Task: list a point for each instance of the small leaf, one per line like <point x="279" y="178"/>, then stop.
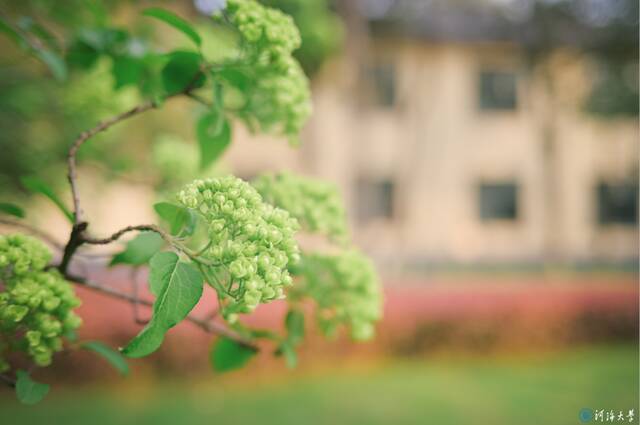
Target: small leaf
<point x="181" y="220"/>
<point x="182" y="70"/>
<point x="175" y="21"/>
<point x="54" y="62"/>
<point x="112" y="356"/>
<point x="289" y="353"/>
<point x="180" y="290"/>
<point x="35" y="185"/>
<point x="139" y="250"/>
<point x="227" y="354"/>
<point x="27" y="24"/>
<point x="214" y="136"/>
<point x="295" y="327"/>
<point x="11" y="209"/>
<point x="28" y="390"/>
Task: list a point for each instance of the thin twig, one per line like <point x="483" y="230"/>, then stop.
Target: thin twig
<point x="207" y="326"/>
<point x="117" y="235"/>
<point x="86" y="135"/>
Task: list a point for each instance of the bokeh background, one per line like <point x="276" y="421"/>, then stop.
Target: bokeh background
<point x="487" y="151"/>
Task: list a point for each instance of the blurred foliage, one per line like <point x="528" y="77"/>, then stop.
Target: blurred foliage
<point x="96" y="65"/>
<point x="40" y="115"/>
<point x="605" y="30"/>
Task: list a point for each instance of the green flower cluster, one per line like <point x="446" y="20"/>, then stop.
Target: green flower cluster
<point x="316" y="204"/>
<point x="280" y="97"/>
<point x="35" y="305"/>
<point x="251" y="242"/>
<point x="346" y="289"/>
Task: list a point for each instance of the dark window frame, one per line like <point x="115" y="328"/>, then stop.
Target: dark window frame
<point x="489" y="99"/>
<point x="381" y="84"/>
<point x="625" y="195"/>
<point x="372" y="206"/>
<point x="499" y="201"/>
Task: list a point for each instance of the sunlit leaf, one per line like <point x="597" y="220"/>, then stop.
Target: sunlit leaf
<point x="181" y="220"/>
<point x="227" y="354"/>
<point x="35" y="185"/>
<point x="29" y="391"/>
<point x="126" y="71"/>
<point x="175" y="21"/>
<point x="139" y="250"/>
<point x="109" y="354"/>
<point x="11" y="209"/>
<point x="214" y="136"/>
<point x="180" y="289"/>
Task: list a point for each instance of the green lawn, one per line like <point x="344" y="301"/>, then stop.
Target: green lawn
<point x="547" y="390"/>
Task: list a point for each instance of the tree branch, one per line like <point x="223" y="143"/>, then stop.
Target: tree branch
<point x="117" y="235"/>
<point x="206" y="325"/>
<point x="86" y="135"/>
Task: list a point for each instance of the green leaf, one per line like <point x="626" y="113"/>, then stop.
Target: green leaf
<point x="180" y="289"/>
<point x="112" y="356"/>
<point x="139" y="250"/>
<point x="294" y="323"/>
<point x="28" y="390"/>
<point x="236" y="78"/>
<point x="182" y="70"/>
<point x="227" y="354"/>
<point x="27" y="24"/>
<point x="51" y="59"/>
<point x="82" y="55"/>
<point x="35" y="185"/>
<point x="175" y="21"/>
<point x="126" y="71"/>
<point x="54" y="62"/>
<point x="181" y="220"/>
<point x="161" y="264"/>
<point x="11" y="209"/>
<point x="290" y="356"/>
<point x="214" y="136"/>
<point x="12" y="33"/>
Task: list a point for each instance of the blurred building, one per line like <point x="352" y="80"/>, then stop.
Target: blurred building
<point x="450" y="147"/>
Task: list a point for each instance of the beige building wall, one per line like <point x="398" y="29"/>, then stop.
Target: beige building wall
<point x="438" y="146"/>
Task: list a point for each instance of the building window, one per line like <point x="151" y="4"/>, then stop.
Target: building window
<point x="497" y="91"/>
<point x="498" y="201"/>
<point x="374" y="199"/>
<point x="617" y="203"/>
<point x="381" y="84"/>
